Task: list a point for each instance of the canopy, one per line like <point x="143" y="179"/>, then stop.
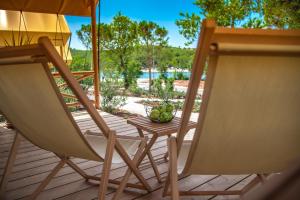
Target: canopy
<point x="16" y="30"/>
<point x="64" y="7"/>
<point x="31" y="26"/>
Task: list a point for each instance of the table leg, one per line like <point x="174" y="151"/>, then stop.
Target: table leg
<point x="148" y="152"/>
<point x="167" y="153"/>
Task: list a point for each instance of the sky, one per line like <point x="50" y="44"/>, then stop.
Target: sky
<point x="162" y="12"/>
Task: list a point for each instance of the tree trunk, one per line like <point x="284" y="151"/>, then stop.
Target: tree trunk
<point x="126" y="82"/>
<point x="232" y="22"/>
<point x="125" y="74"/>
<point x="150" y="78"/>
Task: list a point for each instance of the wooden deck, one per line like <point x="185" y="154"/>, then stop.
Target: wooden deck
<point x="33" y="164"/>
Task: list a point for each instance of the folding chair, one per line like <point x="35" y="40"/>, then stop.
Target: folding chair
<point x="30" y="99"/>
<point x="249" y="118"/>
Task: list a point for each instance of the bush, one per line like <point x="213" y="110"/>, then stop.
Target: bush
<point x="110" y="90"/>
<point x="179" y="94"/>
<point x="135" y="90"/>
<point x="163" y="88"/>
<point x="181" y="76"/>
<point x="196" y="107"/>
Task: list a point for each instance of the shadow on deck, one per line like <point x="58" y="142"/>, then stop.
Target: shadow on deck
<point x="33" y="165"/>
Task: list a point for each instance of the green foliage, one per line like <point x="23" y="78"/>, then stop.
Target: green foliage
<point x="151" y="36"/>
<point x="81" y="60"/>
<point x="189" y="26"/>
<point x="84" y="35"/>
<point x="282" y="14"/>
<point x="196" y="107"/>
<point x="134" y="70"/>
<point x="119" y="39"/>
<point x="163" y="88"/>
<point x="110" y="90"/>
<point x="135" y="90"/>
<point x="181" y="76"/>
<point x="179" y="58"/>
<point x="241" y="13"/>
<point x="128" y="46"/>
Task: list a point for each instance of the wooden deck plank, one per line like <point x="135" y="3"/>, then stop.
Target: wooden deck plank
<point x="34" y="164"/>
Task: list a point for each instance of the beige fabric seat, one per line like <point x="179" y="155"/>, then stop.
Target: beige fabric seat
<point x="30" y="99"/>
<point x="98" y="143"/>
<point x="183" y="155"/>
<point x="249" y="117"/>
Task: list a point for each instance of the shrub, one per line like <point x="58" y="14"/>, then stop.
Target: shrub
<point x="111" y="101"/>
<point x="163" y="88"/>
<point x="179" y="94"/>
<point x="196" y="107"/>
<point x="135" y="90"/>
<point x="181" y="76"/>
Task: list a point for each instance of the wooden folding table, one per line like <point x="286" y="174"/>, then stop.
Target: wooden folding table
<point x="143" y="124"/>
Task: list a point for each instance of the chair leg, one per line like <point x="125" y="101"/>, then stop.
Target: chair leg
<point x="48" y="179"/>
<point x="10" y="163"/>
<point x="107" y="165"/>
<point x="134" y="167"/>
<point x="77" y="169"/>
<point x="129" y="172"/>
<point x="166" y="186"/>
<point x="173" y="168"/>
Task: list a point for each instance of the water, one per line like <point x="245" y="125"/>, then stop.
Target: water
<point x="155" y="75"/>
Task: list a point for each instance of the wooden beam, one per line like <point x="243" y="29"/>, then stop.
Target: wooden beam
<point x="95" y="55"/>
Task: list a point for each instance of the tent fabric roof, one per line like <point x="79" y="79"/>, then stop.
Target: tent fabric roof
<point x="64" y="7"/>
<point x="32" y="26"/>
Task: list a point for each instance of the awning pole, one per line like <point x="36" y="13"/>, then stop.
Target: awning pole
<point x="95" y="55"/>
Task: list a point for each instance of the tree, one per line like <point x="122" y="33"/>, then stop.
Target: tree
<point x="282" y="13"/>
<point x="84" y="35"/>
<point x="241" y="13"/>
<point x="119" y="39"/>
<point x="151" y="36"/>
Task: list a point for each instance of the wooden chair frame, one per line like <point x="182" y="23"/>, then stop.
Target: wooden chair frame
<point x="210" y="36"/>
<point x="45" y="52"/>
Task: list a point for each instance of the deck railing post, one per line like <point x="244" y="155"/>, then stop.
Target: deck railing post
<point x="95" y="55"/>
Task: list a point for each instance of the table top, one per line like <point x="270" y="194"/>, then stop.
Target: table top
<point x="146" y="124"/>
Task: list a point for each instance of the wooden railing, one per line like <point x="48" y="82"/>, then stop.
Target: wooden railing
<point x="79" y="75"/>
